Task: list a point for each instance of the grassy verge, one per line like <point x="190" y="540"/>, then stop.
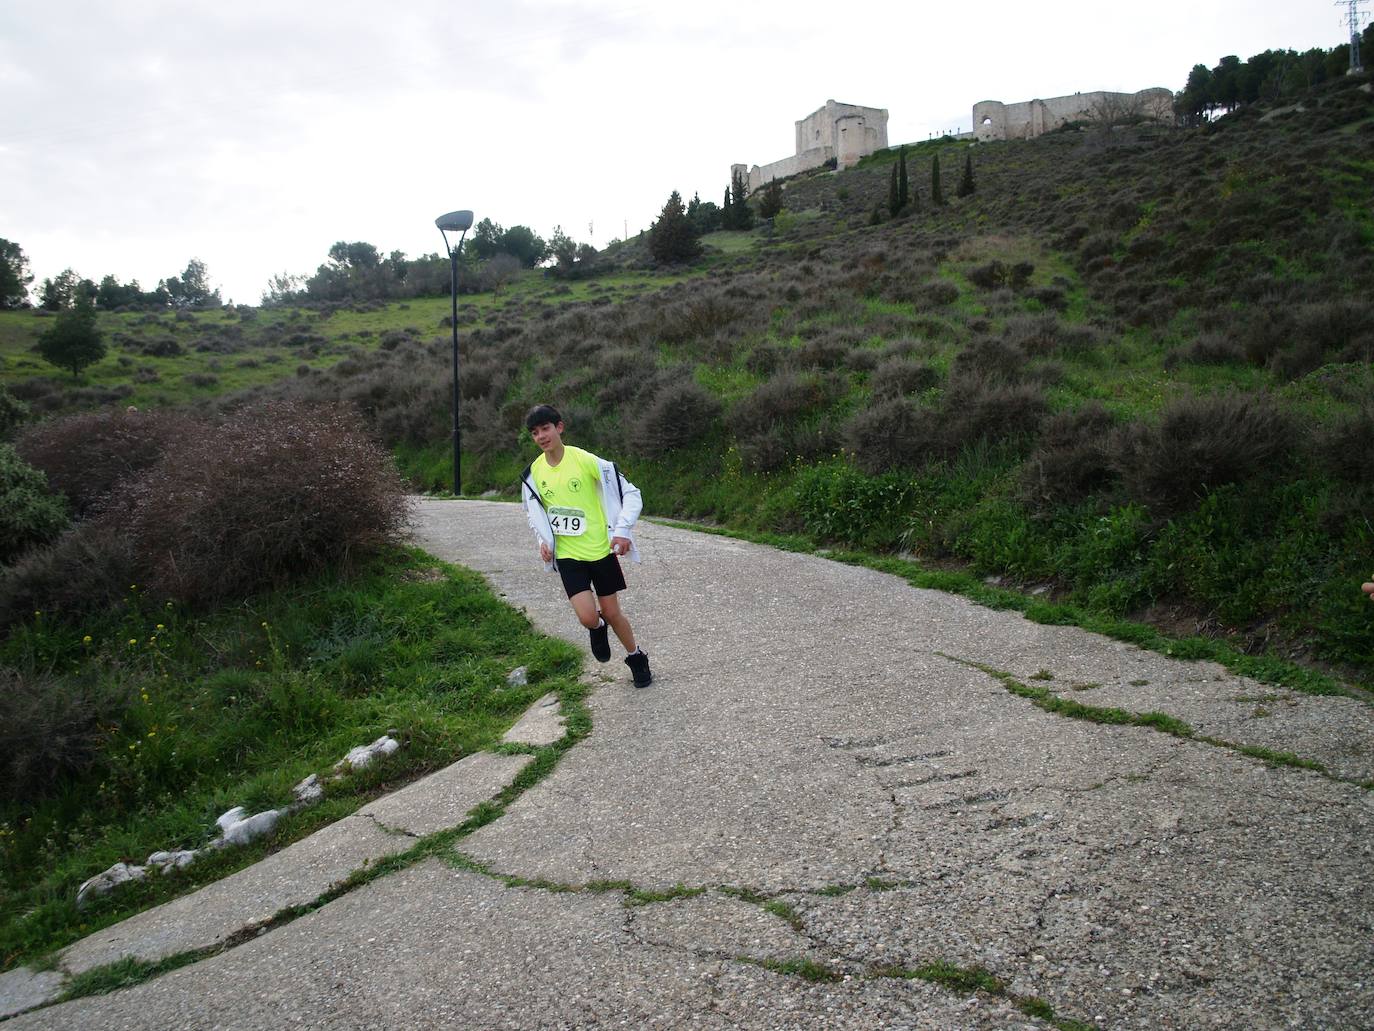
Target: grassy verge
<point x="234" y="707"/>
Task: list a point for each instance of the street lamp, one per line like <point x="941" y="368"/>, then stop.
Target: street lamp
<point x="455" y="222"/>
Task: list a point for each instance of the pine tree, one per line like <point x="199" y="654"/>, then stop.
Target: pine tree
<point x="74" y="340"/>
<point x="966" y="180"/>
<point x="903" y="186"/>
<point x="770" y="200"/>
<point x="671" y="239"/>
<point x="936" y="197"/>
<point x="743" y="214"/>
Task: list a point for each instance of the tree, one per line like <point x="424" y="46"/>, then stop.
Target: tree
<point x="1196" y="99"/>
<point x="727" y="212"/>
<point x="357" y="255"/>
<point x="61" y="293"/>
<point x="741" y="215"/>
<point x="113" y="294"/>
<point x="894" y="203"/>
<point x="74" y="340"/>
<point x="486" y="239"/>
<point x="936" y="197"/>
<point x="525" y="244"/>
<point x="563" y="249"/>
<point x="192" y="288"/>
<point x="770" y="201"/>
<point x="903" y="184"/>
<point x="705" y="216"/>
<point x="671" y="238"/>
<point x="14" y="276"/>
<point x="965" y="188"/>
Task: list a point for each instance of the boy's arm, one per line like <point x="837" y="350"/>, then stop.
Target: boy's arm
<point x="631" y="501"/>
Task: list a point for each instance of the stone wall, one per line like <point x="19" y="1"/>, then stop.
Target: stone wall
<point x="845" y="132"/>
<point x="993" y="120"/>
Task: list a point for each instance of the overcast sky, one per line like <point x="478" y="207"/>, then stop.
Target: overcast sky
<point x="253" y="135"/>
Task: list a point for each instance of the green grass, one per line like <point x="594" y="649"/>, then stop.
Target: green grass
<point x="236" y="706"/>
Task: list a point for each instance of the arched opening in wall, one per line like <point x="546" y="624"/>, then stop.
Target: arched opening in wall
<point x="987" y="120"/>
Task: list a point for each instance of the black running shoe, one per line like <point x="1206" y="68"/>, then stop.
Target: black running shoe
<point x="639" y="668"/>
<point x="601" y="643"/>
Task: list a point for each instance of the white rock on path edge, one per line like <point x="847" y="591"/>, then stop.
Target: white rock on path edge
<point x="235" y="825"/>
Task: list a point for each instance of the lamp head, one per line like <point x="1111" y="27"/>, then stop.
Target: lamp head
<point x="455" y="222"/>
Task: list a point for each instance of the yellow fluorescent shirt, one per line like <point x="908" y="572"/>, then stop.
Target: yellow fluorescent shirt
<point x="573" y="501"/>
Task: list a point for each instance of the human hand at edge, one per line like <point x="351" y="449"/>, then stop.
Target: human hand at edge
<point x="545" y="552"/>
<point x="1368" y="589"/>
<point x="620" y="546"/>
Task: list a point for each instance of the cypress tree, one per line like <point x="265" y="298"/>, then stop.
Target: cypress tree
<point x="936" y="197"/>
<point x="727" y="212"/>
<point x="903" y="186"/>
<point x="894" y="202"/>
<point x="966" y="180"/>
<point x="744" y="215"/>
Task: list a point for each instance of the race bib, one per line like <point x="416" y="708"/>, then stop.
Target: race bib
<point x="568" y="522"/>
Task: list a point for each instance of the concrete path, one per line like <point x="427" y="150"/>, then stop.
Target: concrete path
<point x="829" y="778"/>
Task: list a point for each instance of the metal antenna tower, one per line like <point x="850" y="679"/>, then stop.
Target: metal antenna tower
<point x="1353" y="18"/>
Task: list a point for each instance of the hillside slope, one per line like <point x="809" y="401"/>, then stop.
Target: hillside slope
<point x="1133" y="364"/>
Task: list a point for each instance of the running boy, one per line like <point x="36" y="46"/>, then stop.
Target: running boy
<point x="581" y="508"/>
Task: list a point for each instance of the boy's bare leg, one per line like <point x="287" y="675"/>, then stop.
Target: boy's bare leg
<point x="585" y="606"/>
<point x="615" y="617"/>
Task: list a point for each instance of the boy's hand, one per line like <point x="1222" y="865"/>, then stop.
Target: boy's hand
<point x="620" y="546"/>
<point x="544" y="552"/>
<point x="1368" y="589"/>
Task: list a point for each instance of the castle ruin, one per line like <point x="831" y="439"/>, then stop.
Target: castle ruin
<point x="993" y="120"/>
<point x="842" y="132"/>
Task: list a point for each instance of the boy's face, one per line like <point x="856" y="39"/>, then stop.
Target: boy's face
<point x="547" y="435"/>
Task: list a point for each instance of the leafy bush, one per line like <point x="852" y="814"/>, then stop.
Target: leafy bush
<point x="86" y="456"/>
<point x="13" y="412"/>
<point x="29" y="515"/>
<point x="1201" y="443"/>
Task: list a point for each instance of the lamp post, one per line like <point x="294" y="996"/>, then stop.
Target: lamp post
<point x="455" y="222"/>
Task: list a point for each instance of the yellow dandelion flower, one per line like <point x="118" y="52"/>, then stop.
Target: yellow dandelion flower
<point x="161" y="627"/>
<point x="133" y="640"/>
<point x="86" y="639"/>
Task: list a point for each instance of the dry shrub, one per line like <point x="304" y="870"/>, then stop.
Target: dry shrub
<point x="273" y="493"/>
<point x="896" y="377"/>
<point x="1037" y="335"/>
<point x="990" y="359"/>
<point x="1071" y="460"/>
<point x="50" y="729"/>
<point x="893" y="434"/>
<point x="679" y="414"/>
<point x="87" y="456"/>
<point x="784" y="419"/>
<point x="939" y="292"/>
<point x="1208" y="349"/>
<point x="411" y="404"/>
<point x="1347" y="447"/>
<point x="1200" y="443"/>
<point x="977" y="408"/>
<point x="86" y="569"/>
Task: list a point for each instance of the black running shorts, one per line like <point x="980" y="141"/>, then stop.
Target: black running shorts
<point x="579" y="575"/>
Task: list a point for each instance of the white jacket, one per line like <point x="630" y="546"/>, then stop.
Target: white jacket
<point x="620" y="501"/>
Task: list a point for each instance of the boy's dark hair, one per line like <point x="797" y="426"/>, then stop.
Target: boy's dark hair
<point x="540" y="414"/>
